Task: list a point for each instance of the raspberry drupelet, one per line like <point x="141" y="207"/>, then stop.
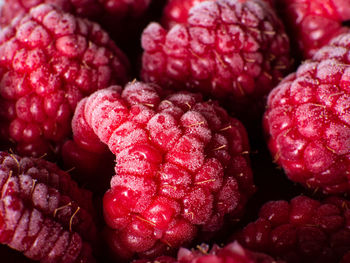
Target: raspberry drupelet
<point x="181" y="166"/>
<point x="230" y="253"/>
<point x="312" y="24"/>
<point x="307" y="120"/>
<point x="49" y="60"/>
<point x="303" y="230"/>
<point x="235" y="51"/>
<point x="43" y="213"/>
<point x="176" y="11"/>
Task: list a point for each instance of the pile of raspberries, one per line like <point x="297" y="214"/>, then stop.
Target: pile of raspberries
<point x="175" y="131"/>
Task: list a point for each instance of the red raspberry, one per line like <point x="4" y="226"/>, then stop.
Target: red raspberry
<point x="49" y="60"/>
<point x="312" y="24"/>
<point x="304" y="230"/>
<point x="112" y="15"/>
<point x="229" y="49"/>
<point x="176" y="11"/>
<point x="307" y="120"/>
<point x="231" y="253"/>
<point x="92" y="9"/>
<point x="43" y="213"/>
<point x="181" y="166"/>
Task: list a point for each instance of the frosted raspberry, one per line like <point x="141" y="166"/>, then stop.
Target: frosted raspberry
<point x="307" y="120"/>
<point x="230" y="253"/>
<point x="312" y="24"/>
<point x="43" y="213"/>
<point x="302" y="230"/>
<point x="231" y="50"/>
<point x="181" y="167"/>
<point x="176" y="11"/>
<point x="49" y="60"/>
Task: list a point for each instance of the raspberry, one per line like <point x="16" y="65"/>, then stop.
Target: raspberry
<point x="231" y="253"/>
<point x="231" y="50"/>
<point x="307" y="120"/>
<point x="181" y="167"/>
<point x="92" y="9"/>
<point x="176" y="11"/>
<point x="312" y="24"/>
<point x="49" y="60"/>
<point x="43" y="213"/>
<point x="302" y="230"/>
<point x="112" y="15"/>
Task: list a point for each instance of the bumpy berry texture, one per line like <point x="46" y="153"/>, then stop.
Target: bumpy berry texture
<point x="312" y="24"/>
<point x="230" y="50"/>
<point x="92" y="9"/>
<point x="176" y="11"/>
<point x="307" y="120"/>
<point x="302" y="230"/>
<point x="50" y="60"/>
<point x="181" y="167"/>
<point x="231" y="253"/>
<point x="112" y="15"/>
<point x="43" y="213"/>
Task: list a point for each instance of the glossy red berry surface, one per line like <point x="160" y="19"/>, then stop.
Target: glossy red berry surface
<point x="50" y="60"/>
<point x="176" y="11"/>
<point x="312" y="24"/>
<point x="302" y="230"/>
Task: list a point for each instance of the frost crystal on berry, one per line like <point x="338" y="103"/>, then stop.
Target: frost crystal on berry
<point x="181" y="166"/>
